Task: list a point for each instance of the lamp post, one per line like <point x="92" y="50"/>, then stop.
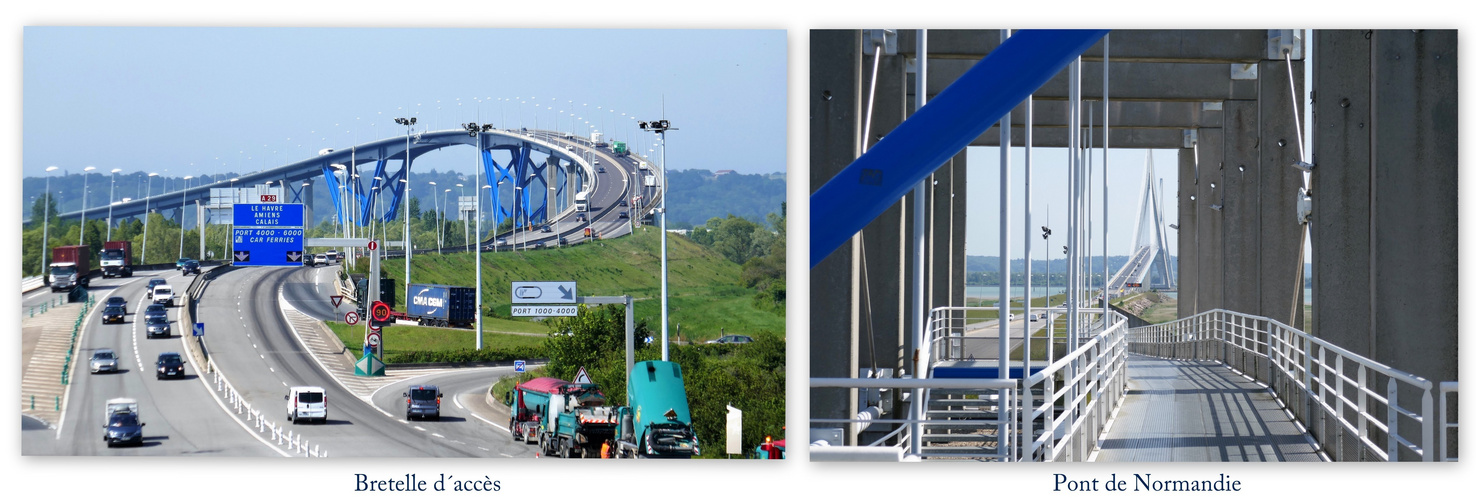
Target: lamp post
<point x="148" y="193"/>
<point x="111" y="186"/>
<point x="409" y="124"/>
<point x="82" y="231"/>
<point x="659" y="127"/>
<point x="46" y="219"/>
<point x="517" y="204"/>
<point x="436" y="201"/>
<point x="181" y="214"/>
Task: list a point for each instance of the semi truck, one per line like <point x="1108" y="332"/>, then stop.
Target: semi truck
<point x="526" y="404"/>
<point x="440" y="305"/>
<point x="116" y="259"/>
<point x="576" y="422"/>
<point x="619" y="148"/>
<point x="658" y="422"/>
<point x="69" y="268"/>
<point x="581" y="201"/>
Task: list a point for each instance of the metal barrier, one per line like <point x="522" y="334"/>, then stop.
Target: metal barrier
<point x="66" y="373"/>
<point x="1077" y="394"/>
<point x="1446" y="424"/>
<point x="1001" y="393"/>
<point x="1332" y="391"/>
<point x="276" y="433"/>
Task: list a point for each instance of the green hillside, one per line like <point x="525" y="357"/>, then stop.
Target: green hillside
<point x="705" y="290"/>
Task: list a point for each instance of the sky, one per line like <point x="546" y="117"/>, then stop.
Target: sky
<point x="191" y="101"/>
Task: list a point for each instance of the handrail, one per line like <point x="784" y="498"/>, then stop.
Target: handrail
<point x="1004" y="421"/>
<point x="1318" y="381"/>
<point x="1446" y="424"/>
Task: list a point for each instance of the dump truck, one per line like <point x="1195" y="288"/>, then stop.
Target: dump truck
<point x="658" y="422"/>
<point x="69" y="268"/>
<point x="576" y="422"/>
<point x="440" y="305"/>
<point x="526" y="403"/>
<point x="116" y="259"/>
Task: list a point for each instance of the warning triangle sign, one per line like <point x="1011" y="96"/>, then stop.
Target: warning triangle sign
<point x="582" y="377"/>
<point x="337" y="299"/>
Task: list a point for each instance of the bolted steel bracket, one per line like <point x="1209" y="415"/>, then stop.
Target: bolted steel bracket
<point x="887" y="39"/>
<point x="1191" y="136"/>
<point x="1281" y="41"/>
<point x="1304" y="206"/>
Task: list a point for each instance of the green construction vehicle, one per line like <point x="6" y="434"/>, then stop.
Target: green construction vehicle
<point x="619" y="148"/>
<point x="658" y="423"/>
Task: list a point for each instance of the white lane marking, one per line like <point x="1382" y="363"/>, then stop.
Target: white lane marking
<point x="438" y="435"/>
<point x="489" y="422"/>
<point x="458" y="403"/>
<point x="263" y="356"/>
<point x="483" y="449"/>
<point x="418" y="428"/>
<point x="406" y="422"/>
<point x="503" y="454"/>
<point x="67" y="393"/>
<point x="274" y="370"/>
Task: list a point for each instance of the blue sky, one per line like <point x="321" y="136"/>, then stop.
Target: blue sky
<point x="210" y="100"/>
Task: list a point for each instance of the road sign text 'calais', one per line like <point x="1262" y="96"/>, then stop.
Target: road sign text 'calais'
<point x="267" y="215"/>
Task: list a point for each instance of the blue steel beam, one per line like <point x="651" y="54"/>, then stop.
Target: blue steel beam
<point x="937" y="131"/>
<point x="333" y="186"/>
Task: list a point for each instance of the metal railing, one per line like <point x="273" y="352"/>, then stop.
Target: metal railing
<point x="66" y="373"/>
<point x="1334" y="392"/>
<point x="909" y="436"/>
<point x="278" y="434"/>
<point x="1077" y="394"/>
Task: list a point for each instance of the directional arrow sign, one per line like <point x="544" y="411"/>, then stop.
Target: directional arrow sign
<point x="294" y="256"/>
<point x="243" y="256"/>
<point x="337" y="299"/>
<point x="543" y="292"/>
<point x="199" y="330"/>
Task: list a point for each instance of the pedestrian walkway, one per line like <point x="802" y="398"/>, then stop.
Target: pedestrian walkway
<point x="46" y="339"/>
<point x="1200" y="411"/>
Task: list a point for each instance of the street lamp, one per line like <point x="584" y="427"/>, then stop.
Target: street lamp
<point x="409" y="124"/>
<point x="517" y="203"/>
<point x="82" y="231"/>
<point x="111" y="186"/>
<point x="1045" y="233"/>
<point x="465" y="228"/>
<point x="181" y="214"/>
<point x="659" y="127"/>
<point x="148" y="193"/>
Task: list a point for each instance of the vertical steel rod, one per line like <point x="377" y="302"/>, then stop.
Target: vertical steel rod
<point x="919" y="252"/>
<point x="1106" y="112"/>
<point x="1004" y="237"/>
<point x="1029" y="132"/>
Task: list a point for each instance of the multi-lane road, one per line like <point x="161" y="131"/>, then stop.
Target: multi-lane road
<point x="261" y="353"/>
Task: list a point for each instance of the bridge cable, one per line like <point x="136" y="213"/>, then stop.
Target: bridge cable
<point x="1297" y="283"/>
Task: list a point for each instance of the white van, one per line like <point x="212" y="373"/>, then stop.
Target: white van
<point x="163" y="294"/>
<point x="306" y="402"/>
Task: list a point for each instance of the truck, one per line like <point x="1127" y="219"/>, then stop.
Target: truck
<point x="645" y="166"/>
<point x="440" y="305"/>
<point x="576" y="422"/>
<point x="69" y="268"/>
<point x="595" y="137"/>
<point x="116" y="259"/>
<point x="619" y="148"/>
<point x="658" y="422"/>
<point x="581" y="201"/>
<point x="526" y="403"/>
<point x="650" y="180"/>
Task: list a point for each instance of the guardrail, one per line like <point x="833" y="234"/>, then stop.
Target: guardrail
<point x="66" y="373"/>
<point x="276" y="433"/>
<point x="1094" y="377"/>
<point x="1334" y="392"/>
<point x="29" y="283"/>
<point x="1446" y="424"/>
<point x="1003" y="393"/>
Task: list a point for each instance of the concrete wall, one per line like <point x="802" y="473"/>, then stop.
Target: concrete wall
<point x="1384" y="220"/>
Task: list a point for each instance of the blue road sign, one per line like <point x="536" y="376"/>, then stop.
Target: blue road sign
<point x="520" y="366"/>
<point x="279" y="246"/>
<point x="199" y="329"/>
<point x="267" y="214"/>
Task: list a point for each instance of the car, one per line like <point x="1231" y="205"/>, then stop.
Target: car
<point x="624" y="214"/>
<point x="307" y="260"/>
<point x="163" y="294"/>
<point x="306" y="403"/>
<point x="123" y="426"/>
<point x="154" y="310"/>
<point x="157" y="326"/>
<point x="597" y="162"/>
<point x="624" y="203"/>
<point x="170" y="364"/>
<point x="580" y="218"/>
<point x="103" y="360"/>
<point x="113" y="314"/>
<point x="153" y="283"/>
<point x="191" y="267"/>
<point x="501" y="241"/>
<point x="422" y="401"/>
<point x="332" y="256"/>
<point x="546" y="229"/>
<point x="117" y="301"/>
<point x="179" y="264"/>
<point x="732" y="339"/>
<point x="563" y="240"/>
<point x="321" y="260"/>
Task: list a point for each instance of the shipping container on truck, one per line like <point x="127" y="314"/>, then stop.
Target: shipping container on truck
<point x="526" y="404"/>
<point x="440" y="305"/>
<point x="116" y="259"/>
<point x="595" y="138"/>
<point x="69" y="268"/>
<point x="650" y="181"/>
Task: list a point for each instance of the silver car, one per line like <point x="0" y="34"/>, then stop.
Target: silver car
<point x="104" y="360"/>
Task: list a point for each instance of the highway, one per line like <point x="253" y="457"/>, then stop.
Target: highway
<point x="180" y="416"/>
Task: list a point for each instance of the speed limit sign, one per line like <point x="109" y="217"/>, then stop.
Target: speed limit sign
<point x="374" y="340"/>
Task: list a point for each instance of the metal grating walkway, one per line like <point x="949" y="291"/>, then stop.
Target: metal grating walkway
<point x="1200" y="411"/>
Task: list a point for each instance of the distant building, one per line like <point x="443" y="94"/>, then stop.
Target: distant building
<point x="682" y="232"/>
<point x="721" y="173"/>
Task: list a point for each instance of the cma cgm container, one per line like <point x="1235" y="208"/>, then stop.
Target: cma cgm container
<point x="440" y="305"/>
